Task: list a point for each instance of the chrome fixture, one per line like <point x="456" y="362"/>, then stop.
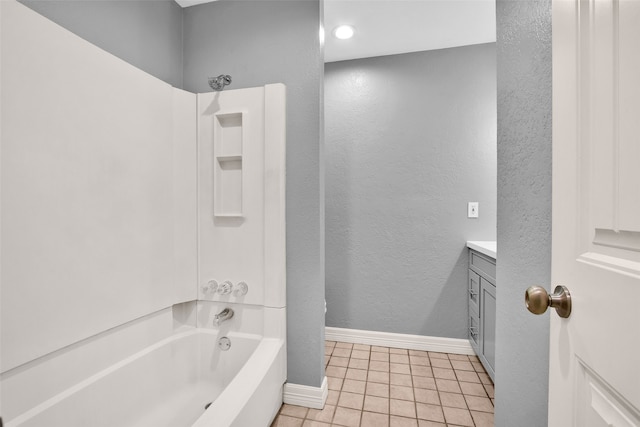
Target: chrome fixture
<point x="223" y="316"/>
<point x="218" y="83"/>
<point x="225" y="288"/>
<point x="224" y="343"/>
<point x="240" y="289"/>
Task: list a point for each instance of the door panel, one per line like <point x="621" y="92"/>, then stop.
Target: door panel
<point x="594" y="374"/>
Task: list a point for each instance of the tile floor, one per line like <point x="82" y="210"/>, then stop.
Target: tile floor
<point x="373" y="386"/>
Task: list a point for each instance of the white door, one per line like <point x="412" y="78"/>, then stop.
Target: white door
<point x="595" y="353"/>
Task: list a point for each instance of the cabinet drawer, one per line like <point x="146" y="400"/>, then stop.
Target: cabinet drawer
<point x="482" y="265"/>
<point x="474" y="292"/>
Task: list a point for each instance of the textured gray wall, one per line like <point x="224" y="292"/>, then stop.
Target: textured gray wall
<point x="260" y="42"/>
<point x="410" y="139"/>
<point x="147" y="34"/>
<point x="524" y="209"/>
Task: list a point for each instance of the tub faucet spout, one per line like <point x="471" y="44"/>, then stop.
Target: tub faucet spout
<point x="223" y="316"/>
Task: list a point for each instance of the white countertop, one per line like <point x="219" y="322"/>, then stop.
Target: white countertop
<point x="488" y="248"/>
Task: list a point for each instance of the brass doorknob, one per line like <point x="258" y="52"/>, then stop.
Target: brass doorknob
<point x="537" y="300"/>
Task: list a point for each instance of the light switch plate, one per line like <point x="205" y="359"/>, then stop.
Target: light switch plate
<point x="472" y="210"/>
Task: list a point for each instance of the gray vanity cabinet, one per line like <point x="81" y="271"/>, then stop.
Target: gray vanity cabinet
<point x="482" y="308"/>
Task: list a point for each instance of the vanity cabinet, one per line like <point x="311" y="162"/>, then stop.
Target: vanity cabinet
<point x="482" y="308"/>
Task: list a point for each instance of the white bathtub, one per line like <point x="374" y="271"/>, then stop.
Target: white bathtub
<point x="169" y="383"/>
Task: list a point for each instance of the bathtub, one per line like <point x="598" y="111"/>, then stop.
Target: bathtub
<point x="168" y="384"/>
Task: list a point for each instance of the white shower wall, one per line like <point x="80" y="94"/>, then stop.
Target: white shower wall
<point x="98" y="190"/>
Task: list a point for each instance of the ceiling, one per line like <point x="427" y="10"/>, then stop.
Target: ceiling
<point x="387" y="27"/>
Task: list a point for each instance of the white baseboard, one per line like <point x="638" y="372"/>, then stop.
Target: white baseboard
<point x="304" y="395"/>
<point x="410" y="342"/>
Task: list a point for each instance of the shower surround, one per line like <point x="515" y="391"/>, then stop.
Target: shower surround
<point x="123" y="201"/>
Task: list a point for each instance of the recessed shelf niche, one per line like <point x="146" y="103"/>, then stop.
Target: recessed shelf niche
<point x="227" y="188"/>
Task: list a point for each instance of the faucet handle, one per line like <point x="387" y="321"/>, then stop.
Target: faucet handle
<point x="224" y="288"/>
<point x="240" y="289"/>
<point x="210" y="286"/>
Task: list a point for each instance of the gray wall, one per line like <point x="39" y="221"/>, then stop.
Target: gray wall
<point x="524" y="209"/>
<point x="260" y="42"/>
<point x="410" y="139"/>
<point x="147" y="34"/>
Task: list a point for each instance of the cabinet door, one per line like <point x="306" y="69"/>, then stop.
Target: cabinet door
<point x="488" y="325"/>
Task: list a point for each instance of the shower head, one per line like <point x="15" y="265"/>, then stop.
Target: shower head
<point x="218" y="83"/>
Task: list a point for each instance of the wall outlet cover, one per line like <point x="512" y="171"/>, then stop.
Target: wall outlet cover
<point x="472" y="210"/>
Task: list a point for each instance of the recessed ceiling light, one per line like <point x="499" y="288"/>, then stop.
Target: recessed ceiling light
<point x="343" y="32"/>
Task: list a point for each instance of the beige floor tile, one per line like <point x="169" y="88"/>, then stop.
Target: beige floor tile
<point x="419" y="360"/>
<point x="378" y="377"/>
<point x="294" y="411"/>
<point x="324" y="415"/>
<point x="482" y="419"/>
<point x="332" y="398"/>
<point x="401" y="392"/>
<point x="354" y="386"/>
<point x="356" y="374"/>
<point x="341" y="352"/>
<point x="403" y="408"/>
<point x="490" y="390"/>
<point x="372" y="419"/>
<point x="424" y="382"/>
<point x="448" y="385"/>
<point x="286" y="421"/>
<point x="453" y="400"/>
<point x="326" y="360"/>
<point x="377" y="389"/>
<point x="430" y="412"/>
<point x="336" y="371"/>
<point x="400" y="379"/>
<point x="436" y="355"/>
<point x="426" y="396"/>
<point x="347" y="417"/>
<point x="376" y="404"/>
<point x="421" y="371"/>
<point x="359" y="363"/>
<point x="460" y="365"/>
<point x="339" y="361"/>
<point x="457" y="416"/>
<point x="372" y="386"/>
<point x="445" y="374"/>
<point x="399" y="368"/>
<point x="395" y="421"/>
<point x="484" y="378"/>
<point x="364" y="347"/>
<point x="330" y="343"/>
<point x="437" y="363"/>
<point x="477" y="366"/>
<point x="344" y="345"/>
<point x="477" y="403"/>
<point x="359" y="354"/>
<point x="334" y="383"/>
<point x="351" y="400"/>
<point x="375" y="365"/>
<point x="399" y="358"/>
<point x="473" y="389"/>
<point x="467" y="376"/>
<point x="458" y="357"/>
<point x="382" y="357"/>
